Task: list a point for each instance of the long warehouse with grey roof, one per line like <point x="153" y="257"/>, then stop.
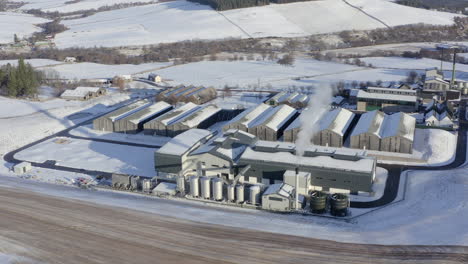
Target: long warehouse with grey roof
<point x="333" y="127"/>
<point x="158" y="126"/>
<point x="134" y="123"/>
<point x="203" y="118"/>
<point x="106" y="122"/>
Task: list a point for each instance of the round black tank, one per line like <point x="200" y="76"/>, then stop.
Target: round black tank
<point x="318" y="202"/>
<point x="339" y="204"/>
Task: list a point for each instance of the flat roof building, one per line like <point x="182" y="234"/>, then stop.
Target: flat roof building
<point x="368" y="101"/>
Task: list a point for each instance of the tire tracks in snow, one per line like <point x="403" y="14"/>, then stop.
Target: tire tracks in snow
<point x="367" y="14"/>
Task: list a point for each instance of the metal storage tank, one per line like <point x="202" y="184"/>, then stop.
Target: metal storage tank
<point x="205" y="187"/>
<point x="135" y="183"/>
<point x="231" y="192"/>
<point x="147" y="185"/>
<point x="240" y="193"/>
<point x="181" y="184"/>
<point x="254" y="194"/>
<point x="217" y="189"/>
<point x="339" y="204"/>
<point x="318" y="202"/>
<point x="194" y="187"/>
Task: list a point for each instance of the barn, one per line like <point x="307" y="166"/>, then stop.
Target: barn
<point x="333" y="127"/>
<point x="134" y="123"/>
<point x="106" y="122"/>
<point x="159" y="125"/>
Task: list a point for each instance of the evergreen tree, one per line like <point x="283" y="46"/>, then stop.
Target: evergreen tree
<point x="16" y="39"/>
<point x="12" y="83"/>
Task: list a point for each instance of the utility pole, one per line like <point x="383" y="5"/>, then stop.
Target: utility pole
<point x="296" y="202"/>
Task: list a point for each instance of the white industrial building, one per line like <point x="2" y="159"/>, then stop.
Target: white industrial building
<point x="387" y="102"/>
<point x="159" y="125"/>
<point x="134" y="123"/>
<point x="246" y="119"/>
<point x="272" y="125"/>
<point x="203" y="118"/>
<point x="172" y="157"/>
<point x="378" y="131"/>
<point x="106" y="122"/>
<point x="280" y="197"/>
<point x="332" y="128"/>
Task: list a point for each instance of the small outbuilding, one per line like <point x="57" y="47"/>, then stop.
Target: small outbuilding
<point x="280" y="197"/>
<point x="22" y="167"/>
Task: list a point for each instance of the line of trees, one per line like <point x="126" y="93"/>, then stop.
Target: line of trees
<point x="221" y="5"/>
<point x="21" y="80"/>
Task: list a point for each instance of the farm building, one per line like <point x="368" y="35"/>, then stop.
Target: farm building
<point x="106" y="122"/>
<point x="244" y="120"/>
<point x="83" y="93"/>
<point x="332" y="128"/>
<point x="171" y="157"/>
<point x="203" y="118"/>
<point x="290" y="133"/>
<point x="398" y="133"/>
<point x="366" y="133"/>
<point x="159" y="125"/>
<point x="154" y="78"/>
<point x="134" y="123"/>
<point x="368" y="101"/>
<point x="280" y="197"/>
<point x="194" y="94"/>
<point x="273" y="125"/>
<point x="377" y="131"/>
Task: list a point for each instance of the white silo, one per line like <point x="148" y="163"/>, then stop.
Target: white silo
<point x="254" y="194"/>
<point x="240" y="193"/>
<point x="231" y="192"/>
<point x="217" y="189"/>
<point x="194" y="188"/>
<point x="205" y="187"/>
<point x="181" y="184"/>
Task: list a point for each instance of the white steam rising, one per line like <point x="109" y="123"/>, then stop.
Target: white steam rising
<point x="309" y="118"/>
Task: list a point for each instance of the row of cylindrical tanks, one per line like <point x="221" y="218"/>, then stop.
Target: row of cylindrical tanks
<point x="337" y="203"/>
<point x="215" y="189"/>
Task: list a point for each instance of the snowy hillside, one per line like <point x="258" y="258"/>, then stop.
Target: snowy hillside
<point x="181" y="20"/>
<point x="19" y="24"/>
<point x="65" y="6"/>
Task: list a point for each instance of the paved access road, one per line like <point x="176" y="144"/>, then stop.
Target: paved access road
<point x="57" y="230"/>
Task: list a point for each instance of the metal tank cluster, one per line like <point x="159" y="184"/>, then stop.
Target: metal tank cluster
<point x="216" y="189"/>
<point x="321" y="202"/>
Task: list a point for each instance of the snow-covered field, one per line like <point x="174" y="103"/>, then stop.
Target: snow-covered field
<point x="409" y="63"/>
<point x="88" y="70"/>
<point x="33" y="62"/>
<point x="63" y="7"/>
<point x="16" y="23"/>
<point x="433" y="212"/>
<point x="184" y="20"/>
<point x="87" y="154"/>
<point x="23" y="122"/>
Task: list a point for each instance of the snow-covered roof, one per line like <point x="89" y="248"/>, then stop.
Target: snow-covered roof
<point x="263" y="117"/>
<point x="387" y="97"/>
<point x="177" y="114"/>
<point x="353" y="92"/>
<point x="166" y="188"/>
<point x="338" y="100"/>
<point x="280" y="117"/>
<point x="399" y="125"/>
<point x="365" y="165"/>
<point x="302" y="98"/>
<point x="294" y="125"/>
<point x="148" y="112"/>
<point x="252" y="114"/>
<point x="390" y="90"/>
<point x="281" y="189"/>
<point x="370" y="122"/>
<point x="80" y="91"/>
<point x="435" y="78"/>
<point x="128" y="110"/>
<point x="337" y="120"/>
<point x="184" y="142"/>
<point x="201" y="115"/>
